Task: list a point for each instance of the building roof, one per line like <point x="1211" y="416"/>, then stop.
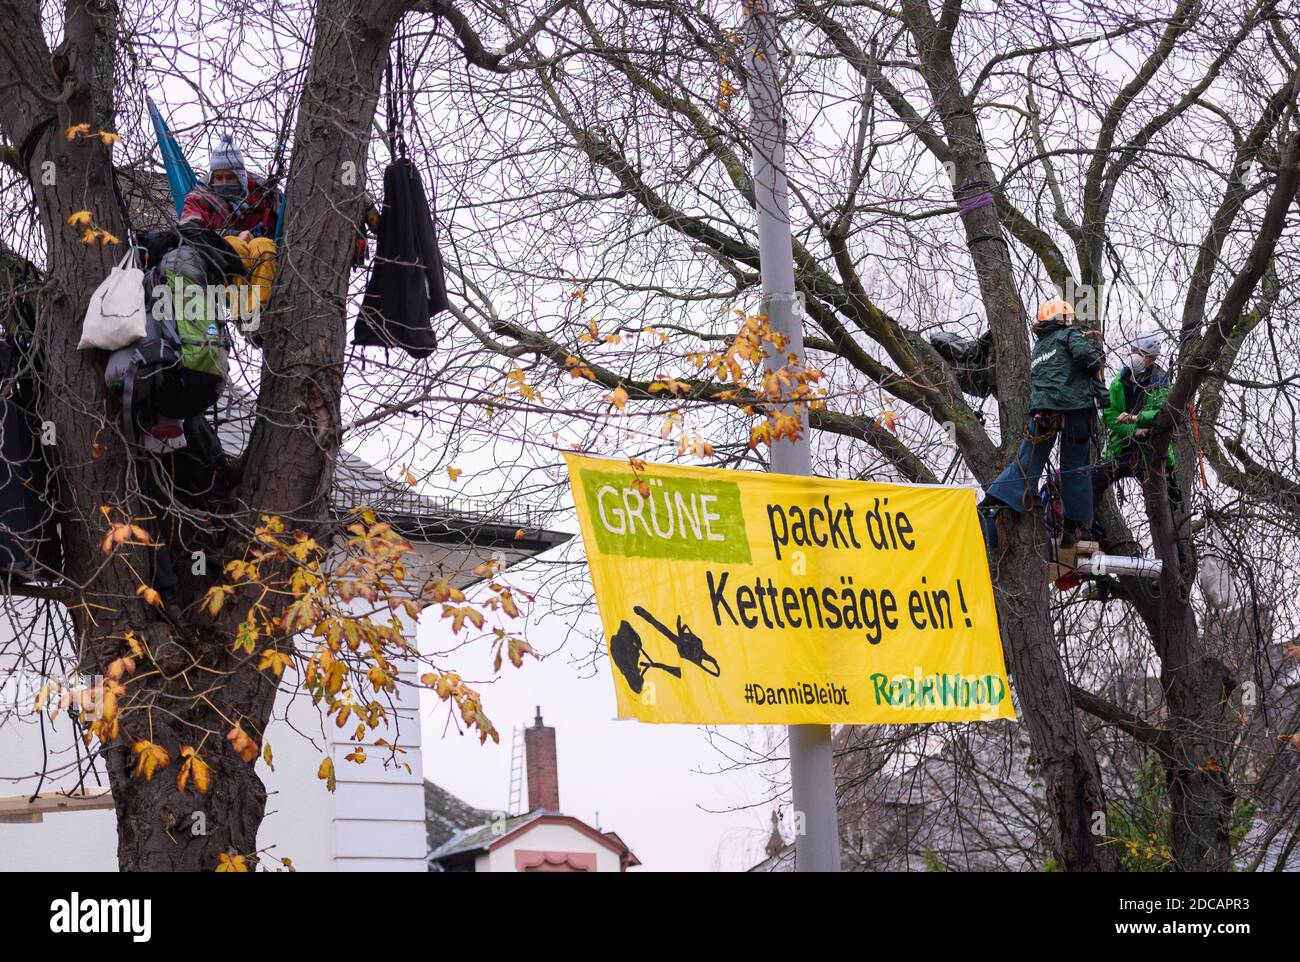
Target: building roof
<point x="471" y="842"/>
<point x="445" y="814"/>
<point x="359" y="484"/>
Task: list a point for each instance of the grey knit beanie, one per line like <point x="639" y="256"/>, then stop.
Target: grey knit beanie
<point x="226" y="156"/>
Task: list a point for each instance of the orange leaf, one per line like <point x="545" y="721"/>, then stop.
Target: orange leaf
<point x="617" y="397"/>
<point x="240" y="742"/>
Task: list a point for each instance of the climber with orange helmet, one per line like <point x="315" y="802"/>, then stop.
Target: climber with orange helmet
<point x="1064" y="369"/>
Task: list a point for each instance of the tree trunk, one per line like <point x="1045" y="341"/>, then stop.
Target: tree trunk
<point x="1058" y="741"/>
<point x="1198" y="734"/>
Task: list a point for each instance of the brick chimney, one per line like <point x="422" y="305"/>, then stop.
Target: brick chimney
<point x="543" y="776"/>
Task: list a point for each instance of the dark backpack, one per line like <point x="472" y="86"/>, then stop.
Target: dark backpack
<point x="971" y="359"/>
<point x="178" y="369"/>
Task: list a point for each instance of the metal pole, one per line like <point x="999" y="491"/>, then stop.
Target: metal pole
<point x="812" y="774"/>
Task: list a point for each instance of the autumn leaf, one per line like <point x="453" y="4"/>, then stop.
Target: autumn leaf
<point x="326" y="772"/>
<point x="247" y="636"/>
<point x="81" y="218"/>
<point x="231" y="863"/>
<point x="119" y="534"/>
<point x="108" y="138"/>
<point x="77" y="130"/>
<point x="617" y="397"/>
<point x="149" y="758"/>
<point x="241" y="743"/>
<point x="150" y="595"/>
<point x="274" y="659"/>
<point x="193" y="767"/>
<point x="119" y="667"/>
<point x="674" y="388"/>
<point x="410" y="478"/>
<point x="453" y="473"/>
<point x="888" y="419"/>
<point x="579" y="370"/>
<point x="459" y="614"/>
<point x="216" y="595"/>
<point x="519" y="648"/>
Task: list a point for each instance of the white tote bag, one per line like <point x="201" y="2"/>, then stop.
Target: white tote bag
<point x="116" y="316"/>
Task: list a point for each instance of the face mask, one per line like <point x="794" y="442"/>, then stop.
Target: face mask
<point x="230" y="192"/>
<point x="1137" y="362"/>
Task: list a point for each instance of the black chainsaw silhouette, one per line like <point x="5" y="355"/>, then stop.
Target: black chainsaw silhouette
<point x="626" y="650"/>
<point x="689" y="645"/>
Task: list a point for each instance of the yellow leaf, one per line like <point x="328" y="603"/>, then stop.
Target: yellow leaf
<point x="216" y="595"/>
<point x="193" y="767"/>
<point x="617" y="397"/>
<point x="453" y="473"/>
<point x="326" y="772"/>
<point x="410" y="478"/>
<point x="228" y="863"/>
<point x="150" y="596"/>
<point x="149" y="758"/>
<point x="108" y="138"/>
<point x="277" y="661"/>
<point x="81" y="218"/>
<point x="77" y="130"/>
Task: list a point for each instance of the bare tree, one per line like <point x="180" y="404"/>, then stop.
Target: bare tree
<point x="949" y="168"/>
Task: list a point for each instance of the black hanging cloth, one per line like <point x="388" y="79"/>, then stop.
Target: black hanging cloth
<point x="406" y="286"/>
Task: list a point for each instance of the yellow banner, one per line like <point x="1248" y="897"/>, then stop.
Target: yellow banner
<point x="732" y="597"/>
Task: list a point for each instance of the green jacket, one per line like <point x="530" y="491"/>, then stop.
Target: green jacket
<point x="1127" y="396"/>
<point x="1062" y="368"/>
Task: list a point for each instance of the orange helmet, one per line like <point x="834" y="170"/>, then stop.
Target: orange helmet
<point x="1051" y="310"/>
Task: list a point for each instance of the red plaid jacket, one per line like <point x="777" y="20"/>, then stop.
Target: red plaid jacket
<point x="257" y="214"/>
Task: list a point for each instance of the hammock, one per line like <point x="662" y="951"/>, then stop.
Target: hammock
<point x="180" y="176"/>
